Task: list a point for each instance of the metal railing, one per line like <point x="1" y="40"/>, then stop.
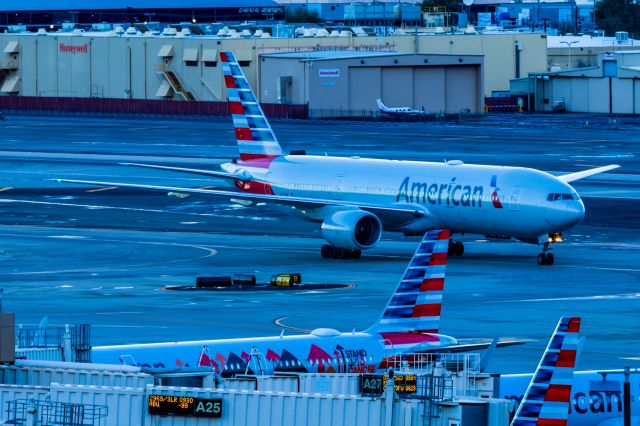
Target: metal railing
<point x="78" y="339"/>
<point x="368" y="114"/>
<point x="53" y="336"/>
<point x="439" y="368"/>
<point x="47" y="413"/>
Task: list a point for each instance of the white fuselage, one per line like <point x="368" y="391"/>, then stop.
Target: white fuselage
<point x="321" y="351"/>
<point x="464" y="198"/>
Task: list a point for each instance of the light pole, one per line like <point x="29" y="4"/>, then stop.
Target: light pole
<point x="569" y="43"/>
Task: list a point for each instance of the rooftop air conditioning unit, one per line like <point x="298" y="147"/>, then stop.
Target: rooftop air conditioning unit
<point x="622" y="37"/>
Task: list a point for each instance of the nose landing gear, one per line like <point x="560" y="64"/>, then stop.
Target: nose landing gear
<point x="546" y="257"/>
<point x="332" y="252"/>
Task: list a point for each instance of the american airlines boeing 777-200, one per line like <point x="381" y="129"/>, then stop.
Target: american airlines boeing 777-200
<point x="355" y="199"/>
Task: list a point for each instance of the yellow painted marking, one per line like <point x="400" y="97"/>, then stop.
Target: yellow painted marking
<point x="109" y="188"/>
<point x="6" y="188"/>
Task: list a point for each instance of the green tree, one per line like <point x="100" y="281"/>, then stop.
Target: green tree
<point x="618" y="15"/>
<point x="301" y="15"/>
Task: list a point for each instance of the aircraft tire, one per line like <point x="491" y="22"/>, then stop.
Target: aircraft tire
<point x="326" y="251"/>
<point x="458" y="248"/>
<point x="542" y="259"/>
<point x="550" y="258"/>
<point x="356" y="254"/>
<point x="340" y="253"/>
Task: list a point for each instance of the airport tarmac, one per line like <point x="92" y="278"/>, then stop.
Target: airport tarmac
<point x="102" y="256"/>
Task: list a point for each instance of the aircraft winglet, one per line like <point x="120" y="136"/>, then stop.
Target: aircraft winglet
<point x="586" y="173"/>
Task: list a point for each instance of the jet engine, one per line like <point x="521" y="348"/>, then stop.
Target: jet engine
<point x="352" y="229"/>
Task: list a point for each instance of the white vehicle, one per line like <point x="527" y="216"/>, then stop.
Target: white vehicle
<point x="355" y="198"/>
<point x="400" y="111"/>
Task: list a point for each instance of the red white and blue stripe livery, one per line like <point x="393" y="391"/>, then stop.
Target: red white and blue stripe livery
<point x="546" y="402"/>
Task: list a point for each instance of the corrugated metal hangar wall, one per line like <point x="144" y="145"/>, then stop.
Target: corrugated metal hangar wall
<point x="130" y="67"/>
<point x="338" y="82"/>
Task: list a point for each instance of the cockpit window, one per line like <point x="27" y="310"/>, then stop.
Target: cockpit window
<point x="558" y="196"/>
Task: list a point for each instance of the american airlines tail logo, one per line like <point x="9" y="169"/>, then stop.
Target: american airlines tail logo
<point x="495" y="197"/>
<point x="449" y="194"/>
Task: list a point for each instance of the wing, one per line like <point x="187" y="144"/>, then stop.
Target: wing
<point x="400" y="212"/>
<point x="222" y="175"/>
<point x="586" y="173"/>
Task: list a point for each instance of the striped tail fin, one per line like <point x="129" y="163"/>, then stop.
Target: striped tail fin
<point x="256" y="140"/>
<point x="546" y="402"/>
<point x="412" y="315"/>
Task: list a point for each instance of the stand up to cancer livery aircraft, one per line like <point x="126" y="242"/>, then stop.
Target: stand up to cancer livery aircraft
<point x="355" y="199"/>
<point x="409" y="324"/>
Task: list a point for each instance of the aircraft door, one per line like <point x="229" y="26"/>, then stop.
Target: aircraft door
<point x="514" y="199"/>
<point x="339" y="188"/>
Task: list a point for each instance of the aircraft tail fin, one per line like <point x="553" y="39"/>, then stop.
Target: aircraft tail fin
<point x="546" y="402"/>
<point x="381" y="105"/>
<point x="256" y="140"/>
<point x="414" y="308"/>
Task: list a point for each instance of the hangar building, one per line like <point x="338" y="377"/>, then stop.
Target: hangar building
<point x="612" y="86"/>
<point x="337" y="83"/>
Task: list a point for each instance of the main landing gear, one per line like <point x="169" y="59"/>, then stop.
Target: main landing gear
<point x="546" y="257"/>
<point x="333" y="252"/>
<point x="456" y="248"/>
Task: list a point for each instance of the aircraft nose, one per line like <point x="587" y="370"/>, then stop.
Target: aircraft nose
<point x="574" y="214"/>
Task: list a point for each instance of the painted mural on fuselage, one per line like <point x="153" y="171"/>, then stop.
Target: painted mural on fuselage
<point x="463" y="198"/>
<point x="343" y="353"/>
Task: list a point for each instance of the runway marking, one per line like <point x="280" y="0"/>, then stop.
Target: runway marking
<point x="279" y="323"/>
<point x="92" y="206"/>
<point x="6" y="188"/>
<point x="99" y="207"/>
<point x="108" y="188"/>
<point x="573" y="298"/>
<point x="210" y="252"/>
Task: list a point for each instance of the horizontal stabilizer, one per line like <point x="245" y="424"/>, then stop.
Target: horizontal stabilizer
<point x="471" y="347"/>
<point x="586" y="173"/>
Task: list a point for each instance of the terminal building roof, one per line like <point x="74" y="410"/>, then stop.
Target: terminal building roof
<point x="12" y="5"/>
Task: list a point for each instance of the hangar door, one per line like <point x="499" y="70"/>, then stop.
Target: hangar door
<point x="396" y="86"/>
<point x="461" y="88"/>
<point x="428" y="89"/>
<point x="364" y="88"/>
